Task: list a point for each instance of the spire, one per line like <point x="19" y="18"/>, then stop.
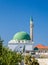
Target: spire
<point x="31" y="28"/>
<point x="31" y="18"/>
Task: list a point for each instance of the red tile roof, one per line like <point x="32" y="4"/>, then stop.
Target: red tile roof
<point x="41" y="46"/>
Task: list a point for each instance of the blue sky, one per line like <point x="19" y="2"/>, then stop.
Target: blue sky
<point x="15" y="17"/>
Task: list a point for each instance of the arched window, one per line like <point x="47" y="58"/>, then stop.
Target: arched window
<point x="35" y="49"/>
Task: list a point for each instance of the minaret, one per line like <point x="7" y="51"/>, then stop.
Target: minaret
<point x="31" y="29"/>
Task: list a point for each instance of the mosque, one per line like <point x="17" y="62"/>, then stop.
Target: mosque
<point x="22" y="41"/>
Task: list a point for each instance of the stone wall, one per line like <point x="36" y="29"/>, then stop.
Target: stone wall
<point x="43" y="61"/>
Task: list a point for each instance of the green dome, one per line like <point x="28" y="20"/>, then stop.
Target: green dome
<point x="21" y="36"/>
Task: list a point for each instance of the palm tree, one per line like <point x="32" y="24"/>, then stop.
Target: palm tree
<point x="34" y="61"/>
<point x="30" y="60"/>
<point x="27" y="59"/>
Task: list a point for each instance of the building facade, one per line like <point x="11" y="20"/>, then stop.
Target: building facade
<point x="41" y="50"/>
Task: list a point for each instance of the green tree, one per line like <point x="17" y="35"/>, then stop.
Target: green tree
<point x="1" y="43"/>
<point x="11" y="57"/>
